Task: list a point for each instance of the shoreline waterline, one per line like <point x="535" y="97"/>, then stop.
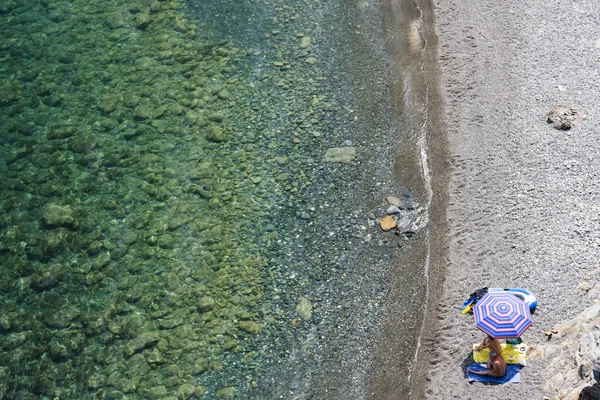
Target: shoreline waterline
<point x="414" y="75"/>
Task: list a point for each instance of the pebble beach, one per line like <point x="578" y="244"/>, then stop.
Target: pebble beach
<point x="523" y="195"/>
<point x="281" y="199"/>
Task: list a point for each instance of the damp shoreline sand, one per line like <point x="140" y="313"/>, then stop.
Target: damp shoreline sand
<point x="523" y="200"/>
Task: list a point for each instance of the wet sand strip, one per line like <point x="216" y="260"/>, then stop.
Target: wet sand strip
<point x="422" y="161"/>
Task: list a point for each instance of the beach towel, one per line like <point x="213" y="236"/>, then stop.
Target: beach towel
<point x="512" y="374"/>
<point x="512" y="353"/>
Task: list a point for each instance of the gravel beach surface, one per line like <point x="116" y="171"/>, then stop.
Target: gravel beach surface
<point x="524" y="209"/>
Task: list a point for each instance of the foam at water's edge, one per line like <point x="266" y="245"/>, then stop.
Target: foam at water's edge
<point x="421" y="162"/>
<point x="436" y="162"/>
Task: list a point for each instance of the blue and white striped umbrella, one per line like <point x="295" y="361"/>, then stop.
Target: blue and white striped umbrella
<point x="502" y="315"/>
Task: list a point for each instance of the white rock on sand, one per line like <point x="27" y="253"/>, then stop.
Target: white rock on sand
<point x="524" y="197"/>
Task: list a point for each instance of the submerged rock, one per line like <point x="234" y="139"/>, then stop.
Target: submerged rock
<point x="142" y="341"/>
<point x="46" y="278"/>
<point x="226" y="392"/>
<point x="215" y="133"/>
<point x="250" y="327"/>
<point x="206" y="304"/>
<point x="304" y="308"/>
<point x="343" y="155"/>
<point x="55" y="215"/>
<point x="305" y="42"/>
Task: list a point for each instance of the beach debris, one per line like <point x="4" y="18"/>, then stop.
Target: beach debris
<point x="564" y="118"/>
<point x="551" y="332"/>
<point x="388" y="222"/>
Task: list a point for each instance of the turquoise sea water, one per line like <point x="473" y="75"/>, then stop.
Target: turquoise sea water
<point x="172" y="223"/>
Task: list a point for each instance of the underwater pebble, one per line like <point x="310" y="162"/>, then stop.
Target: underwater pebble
<point x="206" y="303"/>
<point x="226" y="392"/>
<point x="304" y="308"/>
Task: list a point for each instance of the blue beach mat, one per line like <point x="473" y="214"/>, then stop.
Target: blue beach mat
<point x="512" y="374"/>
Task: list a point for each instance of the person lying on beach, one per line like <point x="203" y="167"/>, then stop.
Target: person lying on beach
<point x="496" y="366"/>
<point x="492" y="343"/>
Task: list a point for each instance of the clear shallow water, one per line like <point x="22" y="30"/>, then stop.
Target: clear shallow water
<point x="169" y="224"/>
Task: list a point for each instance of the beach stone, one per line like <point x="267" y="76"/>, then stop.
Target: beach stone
<point x="283" y="177"/>
<point x="564" y="118"/>
<point x="393" y="210"/>
<point x="340" y="154"/>
<point x="304" y="308"/>
<point x="311" y="60"/>
<point x="115" y="20"/>
<point x="393" y="200"/>
<point x="93" y="278"/>
<point x="388" y="223"/>
<point x="166" y="241"/>
<point x="203" y="170"/>
<point x="130" y="237"/>
<point x="407" y="225"/>
<point x="305" y="42"/>
<point x="590" y="284"/>
<point x="409" y="205"/>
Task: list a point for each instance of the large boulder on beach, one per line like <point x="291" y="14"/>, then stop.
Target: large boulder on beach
<point x="573" y="355"/>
